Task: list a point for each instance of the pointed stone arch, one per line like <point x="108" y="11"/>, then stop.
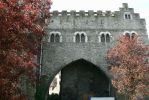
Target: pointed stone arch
<point x="82" y="78"/>
<point x="89" y="69"/>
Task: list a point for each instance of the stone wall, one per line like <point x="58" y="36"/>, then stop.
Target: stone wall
<point x="55" y="56"/>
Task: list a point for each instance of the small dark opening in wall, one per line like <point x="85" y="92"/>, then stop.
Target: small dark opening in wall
<point x="129" y="16"/>
<point x="57" y="38"/>
<point x="103" y="38"/>
<point x="127" y="35"/>
<point x="126" y="16"/>
<point x="133" y="35"/>
<point x="77" y="38"/>
<point x="82" y="38"/>
<point x="107" y="38"/>
<point x="52" y="38"/>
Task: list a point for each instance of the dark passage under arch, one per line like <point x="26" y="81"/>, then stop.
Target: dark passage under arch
<point x="81" y="80"/>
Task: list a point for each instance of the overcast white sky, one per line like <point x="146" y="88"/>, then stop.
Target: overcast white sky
<point x="140" y="6"/>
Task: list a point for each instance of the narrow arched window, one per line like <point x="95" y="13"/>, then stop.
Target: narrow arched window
<point x="82" y="38"/>
<point x="107" y="38"/>
<point x="57" y="38"/>
<point x="103" y="38"/>
<point x="126" y="17"/>
<point x="129" y="17"/>
<point x="133" y="35"/>
<point x="52" y="38"/>
<point x="127" y="35"/>
<point x="77" y="38"/>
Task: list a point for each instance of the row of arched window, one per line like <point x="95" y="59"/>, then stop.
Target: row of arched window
<point x="130" y="35"/>
<point x="55" y="37"/>
<point x="104" y="37"/>
<point x="127" y="15"/>
<point x="81" y="37"/>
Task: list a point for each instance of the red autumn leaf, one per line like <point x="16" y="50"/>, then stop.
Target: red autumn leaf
<point x="129" y="67"/>
<point x="1" y="5"/>
<point x="20" y="36"/>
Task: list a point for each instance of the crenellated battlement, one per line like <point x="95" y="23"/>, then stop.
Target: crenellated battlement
<point x="125" y="17"/>
<point x="89" y="13"/>
<point x="82" y="13"/>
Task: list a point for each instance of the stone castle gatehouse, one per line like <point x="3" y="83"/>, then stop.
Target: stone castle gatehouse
<point x="76" y="44"/>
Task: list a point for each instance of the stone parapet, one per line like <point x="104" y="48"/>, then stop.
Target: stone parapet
<point x="81" y="13"/>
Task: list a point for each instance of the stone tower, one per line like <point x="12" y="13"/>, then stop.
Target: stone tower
<point x="82" y="39"/>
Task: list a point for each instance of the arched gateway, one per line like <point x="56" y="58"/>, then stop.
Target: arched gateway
<point x="81" y="80"/>
<point x="83" y="64"/>
<point x="87" y="59"/>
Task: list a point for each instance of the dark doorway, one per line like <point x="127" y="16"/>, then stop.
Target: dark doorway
<point x="81" y="80"/>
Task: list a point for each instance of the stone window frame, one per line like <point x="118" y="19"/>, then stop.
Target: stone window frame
<point x="133" y="32"/>
<point x="130" y="33"/>
<point x="127" y="15"/>
<point x="105" y="36"/>
<point x="55" y="33"/>
<point x="80" y="40"/>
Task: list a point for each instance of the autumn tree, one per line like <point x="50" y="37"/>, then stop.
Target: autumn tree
<point x="21" y="30"/>
<point x="129" y="67"/>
